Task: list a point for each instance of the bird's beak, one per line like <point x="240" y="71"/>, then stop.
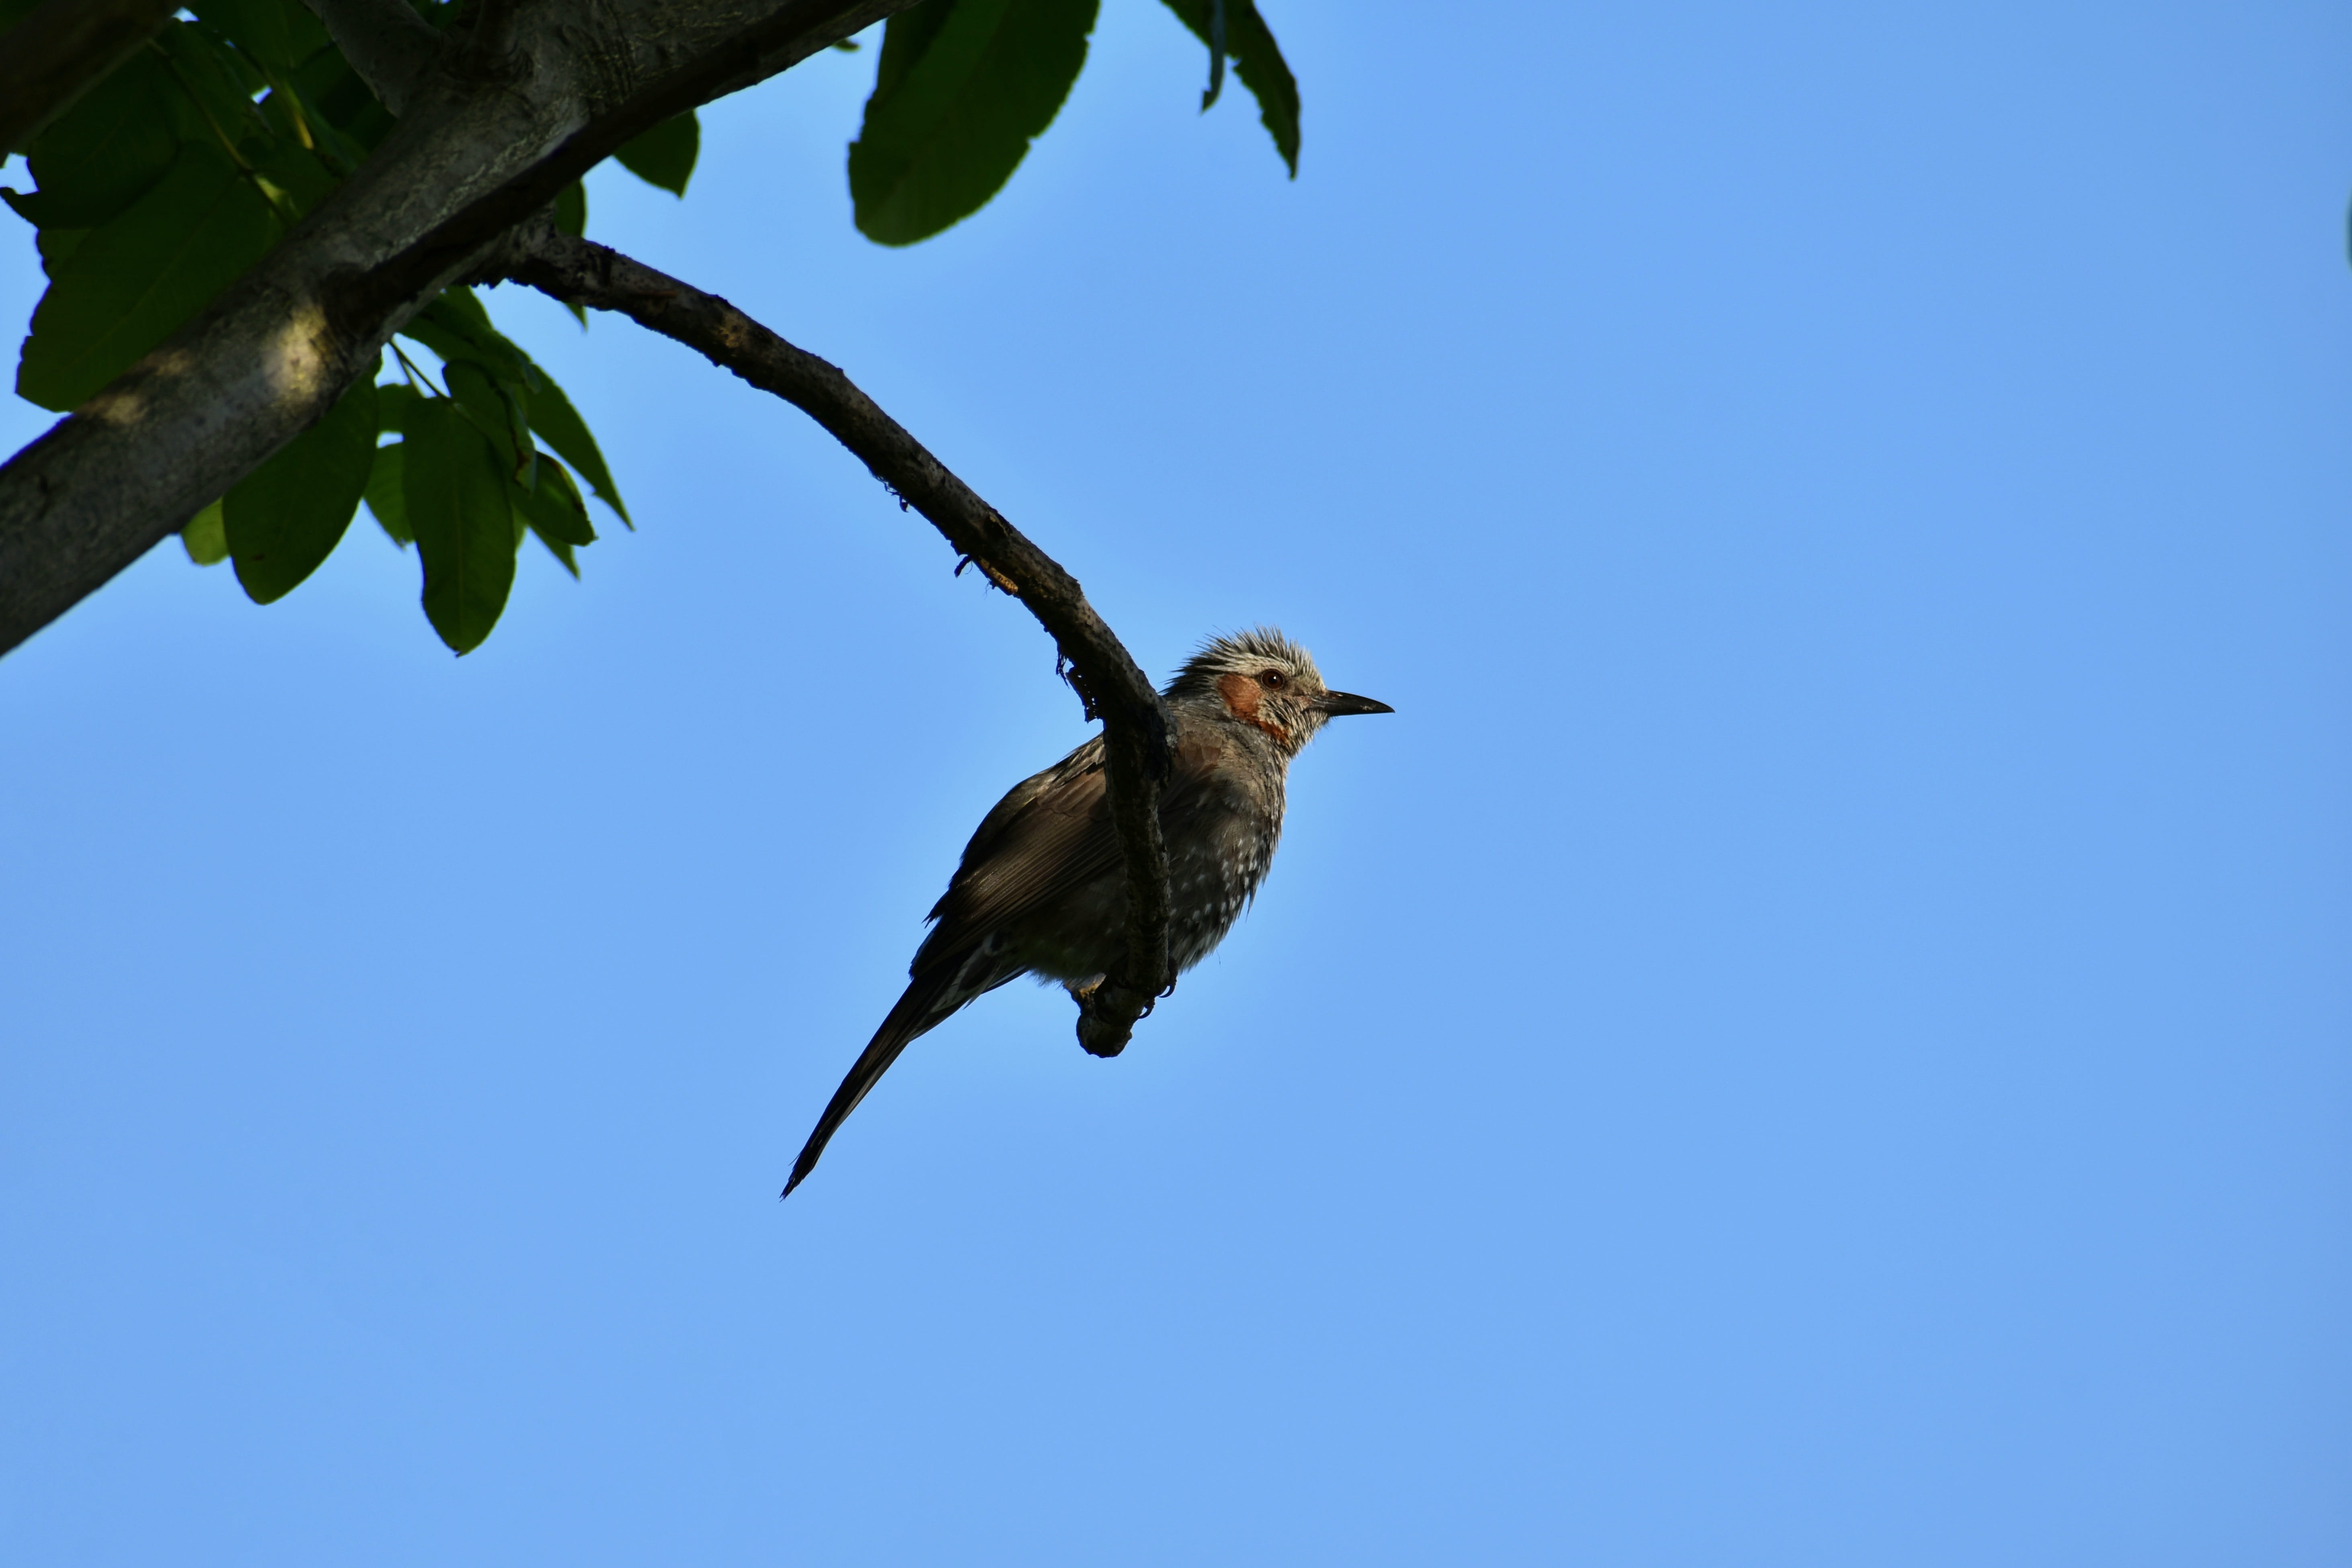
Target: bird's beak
<point x="1336" y="703"/>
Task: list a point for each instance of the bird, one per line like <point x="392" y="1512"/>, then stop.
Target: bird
<point x="1042" y="887"/>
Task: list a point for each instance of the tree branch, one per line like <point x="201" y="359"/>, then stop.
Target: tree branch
<point x="53" y="56"/>
<point x="385" y="41"/>
<point x="792" y="32"/>
<point x="268" y="356"/>
<point x="1138" y="750"/>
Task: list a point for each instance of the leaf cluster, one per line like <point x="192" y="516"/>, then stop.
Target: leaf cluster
<point x="180" y="171"/>
<point x="185" y="165"/>
<point x="964" y="87"/>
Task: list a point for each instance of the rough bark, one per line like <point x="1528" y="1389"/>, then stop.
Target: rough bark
<point x="469" y="158"/>
<point x="1137" y="754"/>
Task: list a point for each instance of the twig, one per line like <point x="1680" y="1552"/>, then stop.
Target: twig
<point x="1138" y="752"/>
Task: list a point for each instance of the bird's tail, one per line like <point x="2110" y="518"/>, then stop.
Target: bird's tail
<point x="928" y="1000"/>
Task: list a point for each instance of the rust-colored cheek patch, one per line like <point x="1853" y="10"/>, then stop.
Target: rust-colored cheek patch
<point x="1240" y="694"/>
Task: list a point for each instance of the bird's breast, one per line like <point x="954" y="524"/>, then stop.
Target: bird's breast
<point x="1213" y="870"/>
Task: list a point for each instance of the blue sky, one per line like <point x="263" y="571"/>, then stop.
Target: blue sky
<point x="1816" y="1036"/>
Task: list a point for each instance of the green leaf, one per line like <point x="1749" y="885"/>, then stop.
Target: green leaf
<point x="279" y="33"/>
<point x="556" y="514"/>
<point x="447" y="346"/>
<point x="1257" y="60"/>
<point x="963" y="88"/>
<point x="464" y="525"/>
<point x="296" y="121"/>
<point x="463" y="310"/>
<point x="289" y="515"/>
<point x="557" y="423"/>
<point x="456" y="327"/>
<point x="664" y="156"/>
<point x="205" y="539"/>
<point x="132" y="283"/>
<point x="1216" y="55"/>
<point x="216" y="99"/>
<point x="392" y="401"/>
<point x="328" y="84"/>
<point x="108" y="150"/>
<point x="295" y="174"/>
<point x="554" y="506"/>
<point x="495" y="411"/>
<point x="562" y="553"/>
<point x="385" y="500"/>
<point x="56" y="245"/>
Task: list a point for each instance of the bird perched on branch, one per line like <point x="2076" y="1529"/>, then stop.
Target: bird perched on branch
<point x="1043" y="890"/>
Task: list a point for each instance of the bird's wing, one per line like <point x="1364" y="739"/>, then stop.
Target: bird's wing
<point x="1071" y="790"/>
<point x="1050" y="833"/>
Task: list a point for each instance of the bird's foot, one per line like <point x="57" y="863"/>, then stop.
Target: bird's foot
<point x="1102" y="1031"/>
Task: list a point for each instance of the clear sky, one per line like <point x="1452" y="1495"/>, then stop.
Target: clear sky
<point x="1820" y="1034"/>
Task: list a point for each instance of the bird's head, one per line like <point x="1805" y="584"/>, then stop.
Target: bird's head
<point x="1263" y="679"/>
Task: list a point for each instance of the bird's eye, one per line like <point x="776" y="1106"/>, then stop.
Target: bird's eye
<point x="1270" y="679"/>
